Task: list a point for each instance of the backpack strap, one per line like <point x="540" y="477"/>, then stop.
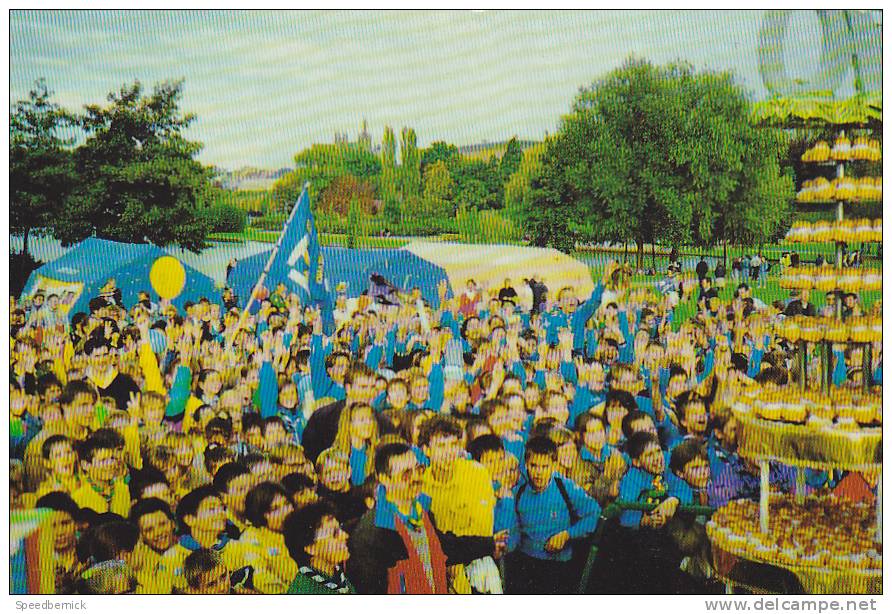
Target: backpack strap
<point x="574" y="515"/>
<point x="517" y="499"/>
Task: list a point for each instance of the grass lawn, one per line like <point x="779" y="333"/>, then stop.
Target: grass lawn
<point x="768" y="294"/>
<point x="269" y="236"/>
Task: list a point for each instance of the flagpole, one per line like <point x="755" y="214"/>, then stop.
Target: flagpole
<point x="269" y="264"/>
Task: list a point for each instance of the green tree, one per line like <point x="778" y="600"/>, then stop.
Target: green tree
<point x="517" y="189"/>
<point x="287" y="188"/>
<point x="410" y="164"/>
<point x="392" y="211"/>
<point x="354" y="223"/>
<point x="439" y="151"/>
<point x="511" y="159"/>
<point x="343" y="191"/>
<point x="387" y="185"/>
<point x="438" y="187"/>
<point x="41" y="166"/>
<point x="139" y="178"/>
<point x="654" y="154"/>
<point x="477" y="183"/>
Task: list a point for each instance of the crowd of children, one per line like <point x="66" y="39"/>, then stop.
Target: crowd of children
<point x="472" y="446"/>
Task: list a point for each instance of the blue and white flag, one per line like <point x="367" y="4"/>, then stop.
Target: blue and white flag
<point x="299" y="263"/>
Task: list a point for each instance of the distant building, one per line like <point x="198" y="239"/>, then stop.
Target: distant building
<point x="486" y="150"/>
<point x="248" y="178"/>
<point x="364" y="139"/>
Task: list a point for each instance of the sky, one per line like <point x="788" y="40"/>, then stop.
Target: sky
<point x="265" y="85"/>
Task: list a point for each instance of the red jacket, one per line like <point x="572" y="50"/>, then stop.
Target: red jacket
<point x="407" y="576"/>
<point x="383" y="559"/>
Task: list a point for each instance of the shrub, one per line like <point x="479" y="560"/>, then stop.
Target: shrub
<point x="227" y="218"/>
<point x="485" y="227"/>
<point x="273" y="221"/>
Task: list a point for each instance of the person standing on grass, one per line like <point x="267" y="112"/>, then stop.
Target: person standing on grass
<point x="702" y="269"/>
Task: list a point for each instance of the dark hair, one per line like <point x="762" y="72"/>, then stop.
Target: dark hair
<point x="684" y="400"/>
<point x="638" y="442"/>
<point x="439" y="425"/>
<point x="149" y="476"/>
<point x="540" y="446"/>
<point x="204" y="374"/>
<point x="260" y="500"/>
<point x="685" y="452"/>
<point x="226" y="474"/>
<point x="295" y="482"/>
<point x="107" y="541"/>
<point x="253" y="458"/>
<point x="250" y="421"/>
<point x="543" y="427"/>
<point x="45" y="381"/>
<point x="216" y="454"/>
<point x="772" y="375"/>
<point x="623" y="398"/>
<point x="301" y="526"/>
<point x="59" y="502"/>
<point x="149" y="506"/>
<point x="739" y="362"/>
<point x="676" y="370"/>
<point x="484" y="444"/>
<point x="75" y="388"/>
<point x="52" y="440"/>
<point x="218" y="425"/>
<point x="386" y="452"/>
<point x="629" y="418"/>
<point x="581" y="425"/>
<point x="357" y="370"/>
<point x="199" y="563"/>
<point x="189" y="504"/>
<point x="103" y="439"/>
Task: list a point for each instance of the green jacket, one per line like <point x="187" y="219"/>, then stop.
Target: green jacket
<point x="303" y="584"/>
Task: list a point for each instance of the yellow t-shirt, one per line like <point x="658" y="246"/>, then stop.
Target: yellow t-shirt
<point x="463" y="505"/>
<point x="119" y="503"/>
<point x="274" y="569"/>
<point x="144" y="563"/>
<point x="52" y="484"/>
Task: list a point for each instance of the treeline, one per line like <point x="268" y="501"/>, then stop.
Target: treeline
<point x="122" y="170"/>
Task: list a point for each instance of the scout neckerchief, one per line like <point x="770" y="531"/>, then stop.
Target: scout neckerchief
<point x="188" y="542"/>
<point x="101" y="492"/>
<point x="338" y="583"/>
<point x="414" y="519"/>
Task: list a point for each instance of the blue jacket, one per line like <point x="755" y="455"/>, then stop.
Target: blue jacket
<point x="584" y="400"/>
<point x="583" y="314"/>
<point x="633" y="488"/>
<point x="543" y="515"/>
<point x="358" y="459"/>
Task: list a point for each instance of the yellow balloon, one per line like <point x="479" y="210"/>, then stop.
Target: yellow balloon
<point x="167" y="277"/>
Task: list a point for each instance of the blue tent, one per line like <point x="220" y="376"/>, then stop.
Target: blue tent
<point x="86" y="267"/>
<point x="402" y="268"/>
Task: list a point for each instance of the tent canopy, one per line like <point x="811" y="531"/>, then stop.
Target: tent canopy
<point x="403" y="269"/>
<point x="491" y="265"/>
<point x="87" y="266"/>
<point x="424" y="264"/>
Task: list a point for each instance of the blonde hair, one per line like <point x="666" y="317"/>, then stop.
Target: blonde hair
<point x="343" y="439"/>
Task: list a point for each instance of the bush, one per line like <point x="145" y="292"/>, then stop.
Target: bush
<point x="227" y="218"/>
<point x="273" y="221"/>
<point x="486" y="227"/>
